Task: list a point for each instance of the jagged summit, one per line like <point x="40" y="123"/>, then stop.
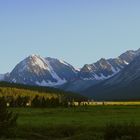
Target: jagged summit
<point x="106" y="68"/>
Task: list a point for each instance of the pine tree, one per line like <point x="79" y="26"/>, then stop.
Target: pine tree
<point x="43" y="102"/>
<point x="7" y="119"/>
<point x="36" y="102"/>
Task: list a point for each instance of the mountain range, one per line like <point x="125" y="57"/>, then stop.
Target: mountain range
<point x="124" y="85"/>
<point x="97" y="80"/>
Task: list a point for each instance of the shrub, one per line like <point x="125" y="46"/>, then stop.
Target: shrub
<point x="7" y="119"/>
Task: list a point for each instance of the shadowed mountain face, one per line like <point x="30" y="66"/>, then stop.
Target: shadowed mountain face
<point x="124" y="85"/>
<point x="36" y="70"/>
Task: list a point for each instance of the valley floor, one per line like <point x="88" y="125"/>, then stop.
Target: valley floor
<point x="77" y="123"/>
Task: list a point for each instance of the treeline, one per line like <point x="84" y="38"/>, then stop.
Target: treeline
<point x="17" y="95"/>
<point x="38" y="101"/>
<point x="39" y="89"/>
<point x="12" y="89"/>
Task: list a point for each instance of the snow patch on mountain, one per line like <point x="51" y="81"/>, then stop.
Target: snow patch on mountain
<point x="78" y="69"/>
<point x="102" y="76"/>
<point x="63" y="62"/>
<point x="126" y="62"/>
<point x="51" y="84"/>
<point x="37" y="60"/>
<point x="115" y="71"/>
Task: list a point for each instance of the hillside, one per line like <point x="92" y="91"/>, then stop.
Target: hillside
<point x="15" y="90"/>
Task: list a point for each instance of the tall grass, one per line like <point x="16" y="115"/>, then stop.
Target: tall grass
<point x="126" y="131"/>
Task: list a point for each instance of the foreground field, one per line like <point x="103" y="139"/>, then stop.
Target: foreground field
<point x="72" y="123"/>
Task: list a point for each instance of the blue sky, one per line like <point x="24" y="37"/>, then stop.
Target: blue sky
<point x="78" y="31"/>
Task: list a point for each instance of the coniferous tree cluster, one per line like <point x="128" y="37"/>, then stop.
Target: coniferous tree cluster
<point x="42" y="102"/>
<point x="37" y="101"/>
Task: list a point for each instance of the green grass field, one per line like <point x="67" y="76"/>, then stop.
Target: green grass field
<point x="81" y="123"/>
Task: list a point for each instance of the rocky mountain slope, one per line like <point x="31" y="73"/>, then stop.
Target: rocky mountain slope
<point x="124" y="85"/>
<point x="106" y="68"/>
<point x="91" y="74"/>
<point x="35" y="70"/>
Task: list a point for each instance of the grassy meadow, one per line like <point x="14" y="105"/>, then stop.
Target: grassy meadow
<point x="78" y="119"/>
<point x="83" y="123"/>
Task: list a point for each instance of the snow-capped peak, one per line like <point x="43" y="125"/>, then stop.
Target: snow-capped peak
<point x="38" y="61"/>
<point x="37" y="70"/>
